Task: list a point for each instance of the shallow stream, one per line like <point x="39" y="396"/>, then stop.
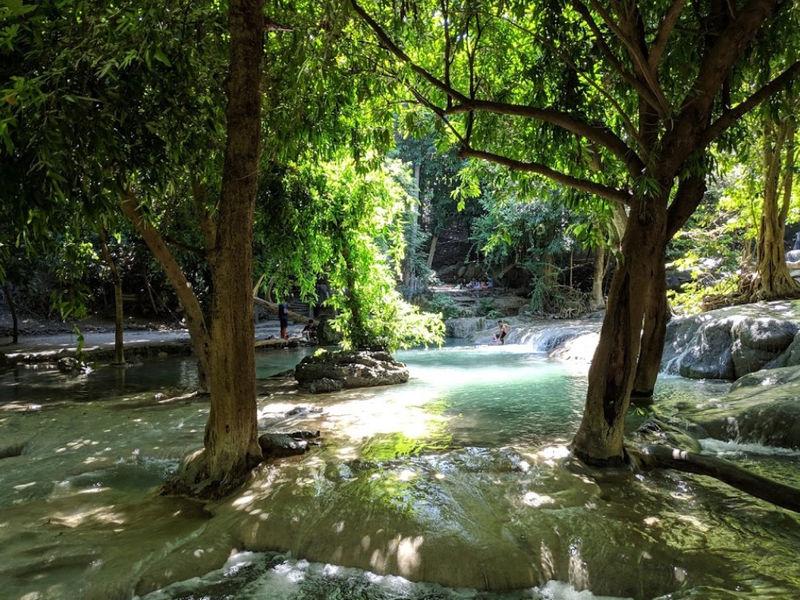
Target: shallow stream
<point x="457" y="479"/>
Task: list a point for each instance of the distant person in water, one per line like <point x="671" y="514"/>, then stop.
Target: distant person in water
<point x="500" y="336"/>
<point x="310" y="331"/>
<point x="283" y="318"/>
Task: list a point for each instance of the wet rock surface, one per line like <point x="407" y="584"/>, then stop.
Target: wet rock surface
<point x="732" y="342"/>
<point x="763" y="407"/>
<point x="281" y="445"/>
<point x="334" y="371"/>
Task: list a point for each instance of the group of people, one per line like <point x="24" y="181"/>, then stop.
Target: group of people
<point x="478" y="286"/>
<point x="309" y="331"/>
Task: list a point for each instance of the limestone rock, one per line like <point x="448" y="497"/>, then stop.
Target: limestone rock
<point x="69" y="365"/>
<point x="710" y="355"/>
<point x="333" y="371"/>
<point x="464" y="327"/>
<point x="732" y="342"/>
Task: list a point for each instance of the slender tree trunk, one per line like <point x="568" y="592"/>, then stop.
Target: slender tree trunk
<point x="598" y="300"/>
<point x="599" y="440"/>
<point x="413" y="217"/>
<point x="12" y="307"/>
<point x="231" y="440"/>
<point x="195" y="319"/>
<point x="432" y="251"/>
<point x="654" y="333"/>
<point x="773" y="279"/>
<point x="119" y="346"/>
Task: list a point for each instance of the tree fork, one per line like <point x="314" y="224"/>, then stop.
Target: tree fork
<point x="599" y="440"/>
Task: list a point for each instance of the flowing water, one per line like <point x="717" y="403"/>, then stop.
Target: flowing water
<point x="453" y="486"/>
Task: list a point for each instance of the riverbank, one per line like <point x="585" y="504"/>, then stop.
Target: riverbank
<point x="99" y="345"/>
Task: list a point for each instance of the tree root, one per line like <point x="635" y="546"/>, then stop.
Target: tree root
<point x="665" y="457"/>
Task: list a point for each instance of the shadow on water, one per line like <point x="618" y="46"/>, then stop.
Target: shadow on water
<point x="458" y="477"/>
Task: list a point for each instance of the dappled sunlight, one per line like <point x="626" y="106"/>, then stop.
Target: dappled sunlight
<point x="452" y="464"/>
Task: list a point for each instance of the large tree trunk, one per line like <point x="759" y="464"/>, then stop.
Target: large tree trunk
<point x="12" y="307"/>
<point x="773" y="279"/>
<point x="599" y="440"/>
<point x="654" y="332"/>
<point x="119" y="347"/>
<point x="231" y="438"/>
<point x="598" y="300"/>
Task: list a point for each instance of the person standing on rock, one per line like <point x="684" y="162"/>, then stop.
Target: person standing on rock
<point x="283" y="318"/>
<point x="500" y="336"/>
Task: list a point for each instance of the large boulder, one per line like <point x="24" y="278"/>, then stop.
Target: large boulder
<point x="732" y="342"/>
<point x="333" y="371"/>
<point x="709" y="356"/>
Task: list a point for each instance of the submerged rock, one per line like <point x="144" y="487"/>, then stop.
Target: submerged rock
<point x="70" y="365"/>
<point x="281" y="445"/>
<point x="333" y="371"/>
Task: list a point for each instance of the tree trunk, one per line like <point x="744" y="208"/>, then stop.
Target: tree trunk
<point x="195" y="320"/>
<point x="432" y="251"/>
<point x="599" y="440"/>
<point x="598" y="300"/>
<point x="119" y="348"/>
<point x="413" y="216"/>
<point x="231" y="438"/>
<point x="654" y="333"/>
<point x="773" y="279"/>
<point x="13" y="309"/>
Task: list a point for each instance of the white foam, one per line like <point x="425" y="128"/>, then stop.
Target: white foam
<point x="721" y="448"/>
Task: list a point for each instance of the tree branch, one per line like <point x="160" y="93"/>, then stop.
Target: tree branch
<point x="595" y="133"/>
<point x="629" y="77"/>
<point x="730" y="116"/>
<point x="583" y="185"/>
<point x="664" y="31"/>
<point x="635" y="53"/>
<point x="688" y="197"/>
<point x="575" y="125"/>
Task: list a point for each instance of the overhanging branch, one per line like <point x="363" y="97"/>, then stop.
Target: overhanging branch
<point x="582" y="185"/>
<point x="729" y="117"/>
<point x="571" y="123"/>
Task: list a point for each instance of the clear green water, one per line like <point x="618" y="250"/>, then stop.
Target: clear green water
<point x="456" y="478"/>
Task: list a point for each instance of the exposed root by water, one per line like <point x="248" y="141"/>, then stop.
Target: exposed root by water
<point x="195" y="480"/>
<point x="656" y="456"/>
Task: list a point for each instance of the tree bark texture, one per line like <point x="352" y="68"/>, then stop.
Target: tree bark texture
<point x="231" y="440"/>
<point x="598" y="300"/>
<point x="773" y="279"/>
<point x="119" y="343"/>
<point x="599" y="440"/>
<point x="654" y="332"/>
<point x="13" y="309"/>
